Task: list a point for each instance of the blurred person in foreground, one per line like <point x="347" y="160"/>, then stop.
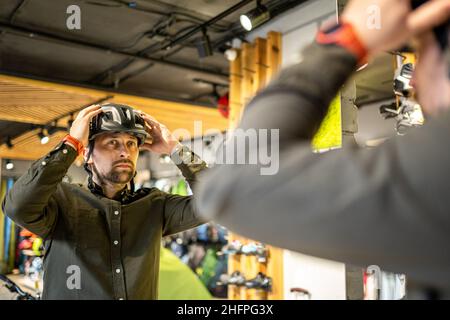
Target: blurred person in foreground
<point x="389" y="205"/>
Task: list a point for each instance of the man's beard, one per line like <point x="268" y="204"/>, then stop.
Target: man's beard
<point x="116" y="175"/>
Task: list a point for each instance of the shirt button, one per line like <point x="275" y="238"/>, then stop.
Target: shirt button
<point x="117" y="270"/>
<point x="116" y="213"/>
<point x="116" y="242"/>
<point x="43" y="163"/>
<point x="65" y="151"/>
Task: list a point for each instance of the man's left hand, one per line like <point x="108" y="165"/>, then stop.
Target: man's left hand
<point x="160" y="140"/>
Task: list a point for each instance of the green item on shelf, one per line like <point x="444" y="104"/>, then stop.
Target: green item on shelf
<point x="208" y="267"/>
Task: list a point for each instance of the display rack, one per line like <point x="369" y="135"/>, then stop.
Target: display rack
<point x="256" y="63"/>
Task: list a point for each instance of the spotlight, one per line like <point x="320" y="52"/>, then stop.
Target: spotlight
<point x="9" y="143"/>
<point x="9" y="165"/>
<point x="231" y="54"/>
<point x="44" y="138"/>
<point x="203" y="45"/>
<point x="70" y="122"/>
<point x="255" y="17"/>
<point x="53" y="128"/>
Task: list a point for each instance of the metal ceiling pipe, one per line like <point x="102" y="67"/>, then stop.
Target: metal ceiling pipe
<point x="206" y="24"/>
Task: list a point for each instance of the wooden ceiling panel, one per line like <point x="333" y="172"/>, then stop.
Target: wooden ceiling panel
<point x="38" y="102"/>
<point x="29" y="147"/>
<point x="22" y="102"/>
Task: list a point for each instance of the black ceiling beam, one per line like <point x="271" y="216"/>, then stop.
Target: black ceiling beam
<point x="135" y="73"/>
<point x="6" y="27"/>
<point x="99" y="78"/>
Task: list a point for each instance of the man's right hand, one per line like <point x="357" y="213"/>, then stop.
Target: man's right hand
<point x="80" y="126"/>
<point x="397" y="22"/>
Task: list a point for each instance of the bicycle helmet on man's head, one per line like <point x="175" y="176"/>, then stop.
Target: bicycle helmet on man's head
<point x="118" y="118"/>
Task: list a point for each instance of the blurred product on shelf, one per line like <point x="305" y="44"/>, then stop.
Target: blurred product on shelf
<point x="406" y="111"/>
<point x="250" y="249"/>
<point x="261" y="281"/>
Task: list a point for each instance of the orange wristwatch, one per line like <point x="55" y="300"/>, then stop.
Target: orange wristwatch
<point x="343" y="34"/>
<point x="75" y="142"/>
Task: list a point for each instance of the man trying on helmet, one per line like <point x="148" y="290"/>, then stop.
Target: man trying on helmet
<point x="102" y="241"/>
<point x="117" y="133"/>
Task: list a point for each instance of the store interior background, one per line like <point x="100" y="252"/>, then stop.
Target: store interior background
<point x="322" y="279"/>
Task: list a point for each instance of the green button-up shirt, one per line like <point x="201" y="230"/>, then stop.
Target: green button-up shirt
<point x="96" y="247"/>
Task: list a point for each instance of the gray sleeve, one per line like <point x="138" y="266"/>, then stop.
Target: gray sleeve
<point x="386" y="206"/>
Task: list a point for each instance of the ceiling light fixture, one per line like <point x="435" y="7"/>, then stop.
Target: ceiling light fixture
<point x="70" y="122"/>
<point x="52" y="129"/>
<point x="44" y="138"/>
<point x="9" y="142"/>
<point x="231" y="54"/>
<point x="255" y="17"/>
<point x="9" y="165"/>
<point x="203" y="45"/>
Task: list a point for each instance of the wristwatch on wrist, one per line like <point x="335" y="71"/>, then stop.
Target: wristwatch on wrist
<point x="176" y="149"/>
<point x="75" y="143"/>
<point x="343" y="34"/>
<point x="181" y="154"/>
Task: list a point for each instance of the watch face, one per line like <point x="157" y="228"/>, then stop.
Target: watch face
<point x="185" y="155"/>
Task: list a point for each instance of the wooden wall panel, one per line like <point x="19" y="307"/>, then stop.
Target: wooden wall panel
<point x="256" y="63"/>
<point x="261" y="67"/>
<point x="273" y="54"/>
<point x="235" y="90"/>
<point x="248" y="73"/>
